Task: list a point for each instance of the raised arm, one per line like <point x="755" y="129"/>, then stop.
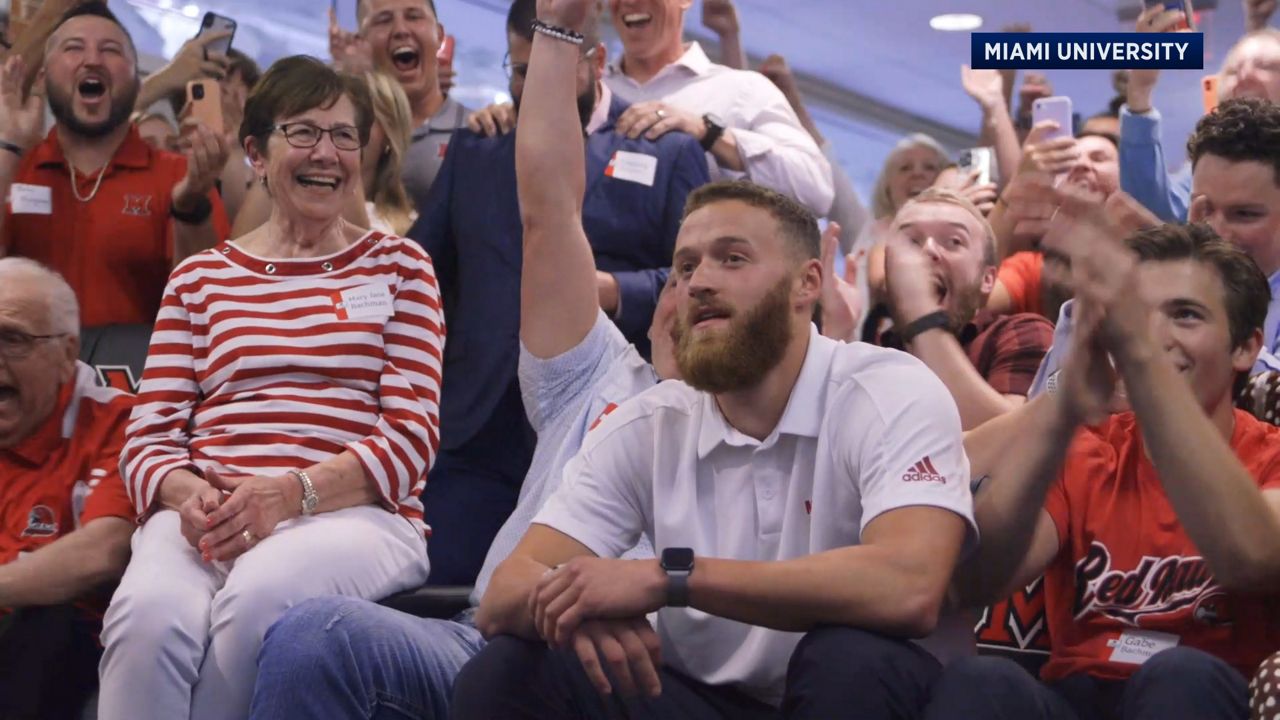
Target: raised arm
<point x="721" y="17"/>
<point x="30" y="36"/>
<point x="1019" y="537"/>
<point x="21" y="126"/>
<point x="559" y="300"/>
<point x="1143" y="172"/>
<point x="986" y="87"/>
<point x="912" y="296"/>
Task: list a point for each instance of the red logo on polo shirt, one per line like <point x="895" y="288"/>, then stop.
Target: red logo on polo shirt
<point x="41" y="522"/>
<point x="607" y="409"/>
<point x="923" y="471"/>
<point x="442" y="149"/>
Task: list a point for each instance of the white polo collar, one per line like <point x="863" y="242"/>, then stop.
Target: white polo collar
<point x="805" y="408"/>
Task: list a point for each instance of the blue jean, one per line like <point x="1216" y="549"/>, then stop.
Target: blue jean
<point x="1180" y="683"/>
<point x="342" y="658"/>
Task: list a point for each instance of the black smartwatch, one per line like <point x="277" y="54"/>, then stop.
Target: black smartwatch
<point x="715" y="130"/>
<point x="938" y="319"/>
<point x="197" y="215"/>
<point x="678" y="564"/>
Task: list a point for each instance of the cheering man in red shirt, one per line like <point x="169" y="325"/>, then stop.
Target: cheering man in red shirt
<point x="91" y="199"/>
<point x="1157" y="530"/>
<point x="66" y="521"/>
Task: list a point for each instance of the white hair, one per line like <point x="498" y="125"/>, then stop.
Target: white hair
<point x="59" y="298"/>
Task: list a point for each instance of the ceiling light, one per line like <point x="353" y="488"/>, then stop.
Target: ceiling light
<point x="191" y="10"/>
<point x="956" y="22"/>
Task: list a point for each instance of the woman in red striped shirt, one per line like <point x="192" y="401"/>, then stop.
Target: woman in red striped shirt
<point x="286" y="419"/>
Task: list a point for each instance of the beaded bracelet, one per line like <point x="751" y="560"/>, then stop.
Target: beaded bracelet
<point x="558" y="33"/>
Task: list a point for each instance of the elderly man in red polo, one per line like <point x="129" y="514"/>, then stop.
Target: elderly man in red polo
<point x="65" y="520"/>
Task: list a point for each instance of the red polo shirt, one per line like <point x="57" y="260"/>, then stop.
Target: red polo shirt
<point x="67" y="473"/>
<point x="115" y="250"/>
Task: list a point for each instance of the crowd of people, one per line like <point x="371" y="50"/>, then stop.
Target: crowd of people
<point x="707" y="435"/>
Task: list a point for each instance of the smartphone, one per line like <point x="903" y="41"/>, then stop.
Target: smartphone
<point x="212" y="23"/>
<point x="1057" y="109"/>
<point x="445" y="54"/>
<point x="204" y="97"/>
<point x="1184" y="6"/>
<point x="1209" y="85"/>
<point x="979" y="159"/>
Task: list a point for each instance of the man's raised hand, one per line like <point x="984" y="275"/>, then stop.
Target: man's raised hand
<point x="21" y="117"/>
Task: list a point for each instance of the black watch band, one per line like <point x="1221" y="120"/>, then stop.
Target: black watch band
<point x="197" y="215"/>
<point x="715" y="130"/>
<point x="15" y="149"/>
<point x="678" y="565"/>
<point x="934" y="320"/>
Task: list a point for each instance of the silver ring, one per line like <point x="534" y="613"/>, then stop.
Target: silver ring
<point x="247" y="534"/>
<point x="662" y="114"/>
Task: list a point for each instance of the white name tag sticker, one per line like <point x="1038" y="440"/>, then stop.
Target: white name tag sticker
<point x="366" y="301"/>
<point x="1137" y="646"/>
<point x="633" y="167"/>
<point x="30" y="199"/>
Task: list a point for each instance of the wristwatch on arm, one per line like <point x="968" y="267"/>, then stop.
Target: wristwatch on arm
<point x="310" y="500"/>
<point x="677" y="563"/>
<point x="715" y="130"/>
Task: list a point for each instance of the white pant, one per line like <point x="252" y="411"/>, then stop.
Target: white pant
<point x="182" y="635"/>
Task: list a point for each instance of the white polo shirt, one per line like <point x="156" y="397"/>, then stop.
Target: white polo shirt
<point x="775" y="148"/>
<point x="866" y="431"/>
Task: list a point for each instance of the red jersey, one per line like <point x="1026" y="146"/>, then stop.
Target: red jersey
<point x="1021" y="274"/>
<point x="1125" y="562"/>
<point x="116" y="250"/>
<point x="67" y="473"/>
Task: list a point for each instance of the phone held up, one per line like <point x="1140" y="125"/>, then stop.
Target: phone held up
<point x="204" y="97"/>
<point x="1184" y="5"/>
<point x="979" y="159"/>
<point x="214" y="23"/>
<point x="1057" y="109"/>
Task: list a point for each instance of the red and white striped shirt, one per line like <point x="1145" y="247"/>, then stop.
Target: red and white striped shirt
<point x="258" y="367"/>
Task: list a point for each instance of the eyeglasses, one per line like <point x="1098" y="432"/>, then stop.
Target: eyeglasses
<point x="305" y="135"/>
<point x="17" y="345"/>
<point x="521" y="70"/>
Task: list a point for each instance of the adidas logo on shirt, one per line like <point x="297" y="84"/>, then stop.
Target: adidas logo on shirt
<point x="923" y="471"/>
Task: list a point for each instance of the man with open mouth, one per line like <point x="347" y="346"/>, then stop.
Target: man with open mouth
<point x="92" y="199"/>
<point x="674" y="86"/>
<point x="67" y="519"/>
<point x="940" y="268"/>
<point x="404" y="37"/>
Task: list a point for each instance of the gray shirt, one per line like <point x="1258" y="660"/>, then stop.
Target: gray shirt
<point x="427" y="149"/>
<point x="564" y="396"/>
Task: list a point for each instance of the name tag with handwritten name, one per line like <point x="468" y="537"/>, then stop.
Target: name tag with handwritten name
<point x="366" y="301"/>
<point x="30" y="199"/>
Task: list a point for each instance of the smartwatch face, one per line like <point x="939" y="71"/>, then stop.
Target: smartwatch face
<point x="677" y="559"/>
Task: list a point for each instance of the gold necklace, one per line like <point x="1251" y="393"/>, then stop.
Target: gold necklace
<point x="75" y="185"/>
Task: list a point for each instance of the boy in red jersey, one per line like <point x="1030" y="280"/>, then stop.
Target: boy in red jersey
<point x="1157" y="530"/>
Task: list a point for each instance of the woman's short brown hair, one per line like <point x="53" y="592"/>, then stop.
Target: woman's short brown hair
<point x="295" y="85"/>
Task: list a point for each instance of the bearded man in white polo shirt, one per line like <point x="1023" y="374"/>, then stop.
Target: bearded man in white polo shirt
<point x="809" y="500"/>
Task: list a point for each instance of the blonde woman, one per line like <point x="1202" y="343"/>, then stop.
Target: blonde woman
<point x="382" y="203"/>
<point x="387" y="202"/>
